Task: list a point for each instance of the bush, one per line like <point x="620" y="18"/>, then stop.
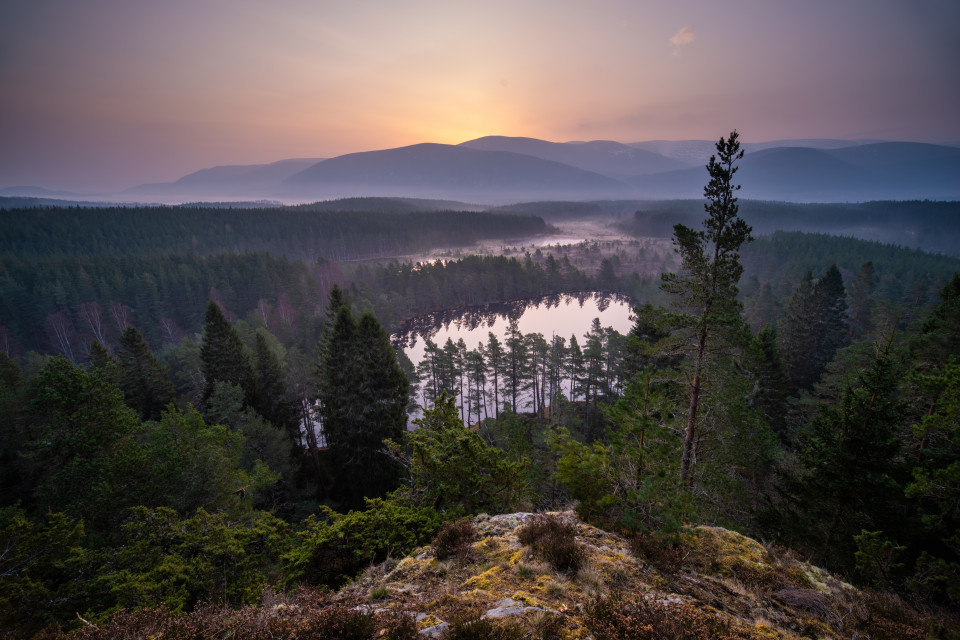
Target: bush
<point x="296" y="620"/>
<point x="661" y="555"/>
<point x="453" y="539"/>
<point x="338" y="546"/>
<point x="616" y="619"/>
<point x="484" y="629"/>
<point x="554" y="541"/>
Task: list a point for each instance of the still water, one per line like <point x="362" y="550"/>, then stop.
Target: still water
<point x="561" y="315"/>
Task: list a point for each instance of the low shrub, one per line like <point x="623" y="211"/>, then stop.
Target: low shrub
<point x="662" y="555"/>
<point x="484" y="629"/>
<point x="618" y="619"/>
<point x="336" y="547"/>
<point x="553" y="540"/>
<point x="295" y="621"/>
<point x="453" y="539"/>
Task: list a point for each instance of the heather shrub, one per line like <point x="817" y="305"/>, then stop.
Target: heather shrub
<point x="294" y="622"/>
<point x="617" y="619"/>
<point x="553" y="540"/>
<point x="453" y="539"/>
<point x="484" y="629"/>
<point x="657" y="552"/>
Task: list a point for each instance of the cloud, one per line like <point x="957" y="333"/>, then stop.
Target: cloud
<point x="680" y="38"/>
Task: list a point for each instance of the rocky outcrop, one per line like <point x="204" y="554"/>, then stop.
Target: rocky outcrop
<point x="760" y="590"/>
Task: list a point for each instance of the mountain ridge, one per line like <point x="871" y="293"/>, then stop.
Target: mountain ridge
<point x="504" y="170"/>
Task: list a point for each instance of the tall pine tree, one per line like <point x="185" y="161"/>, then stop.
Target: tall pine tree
<point x="706" y="287"/>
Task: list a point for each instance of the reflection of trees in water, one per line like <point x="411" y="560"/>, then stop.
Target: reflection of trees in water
<point x="470" y="318"/>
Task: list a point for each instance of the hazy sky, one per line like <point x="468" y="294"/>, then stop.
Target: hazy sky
<point x="105" y="94"/>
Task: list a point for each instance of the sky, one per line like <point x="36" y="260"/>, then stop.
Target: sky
<point x="99" y="95"/>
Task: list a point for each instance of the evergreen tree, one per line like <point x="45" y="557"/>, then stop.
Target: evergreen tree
<point x="83" y="452"/>
<point x="706" y="287"/>
<point x="516" y="363"/>
<point x="848" y="478"/>
<point x="832" y="328"/>
<point x="813" y="327"/>
<point x="271" y="399"/>
<point x="14" y="474"/>
<point x="495" y="368"/>
<point x="772" y="385"/>
<point x="146" y="384"/>
<point x="363" y="399"/>
<point x="222" y="355"/>
<point x="861" y="299"/>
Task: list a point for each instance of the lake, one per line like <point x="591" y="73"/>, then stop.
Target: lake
<point x="563" y="315"/>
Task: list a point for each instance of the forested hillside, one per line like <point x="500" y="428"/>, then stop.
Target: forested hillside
<point x="296" y="232"/>
<point x="928" y="225"/>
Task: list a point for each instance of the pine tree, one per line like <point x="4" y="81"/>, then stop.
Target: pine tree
<point x="706" y="288"/>
<point x="813" y="327"/>
<point x="222" y="355"/>
<point x="271" y="398"/>
<point x="849" y="478"/>
<point x="146" y="384"/>
<point x="362" y="401"/>
<point x="772" y="385"/>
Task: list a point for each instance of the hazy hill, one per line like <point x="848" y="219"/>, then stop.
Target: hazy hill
<point x="447" y="171"/>
<point x="887" y="170"/>
<point x="697" y="152"/>
<point x="502" y="170"/>
<point x="606" y="157"/>
<point x="228" y="180"/>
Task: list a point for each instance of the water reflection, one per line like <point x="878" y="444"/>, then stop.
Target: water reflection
<point x="561" y="315"/>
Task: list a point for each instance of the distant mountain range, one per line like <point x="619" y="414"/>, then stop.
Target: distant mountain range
<point x="498" y="169"/>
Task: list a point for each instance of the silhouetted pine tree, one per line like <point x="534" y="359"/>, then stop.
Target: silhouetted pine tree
<point x="222" y="355"/>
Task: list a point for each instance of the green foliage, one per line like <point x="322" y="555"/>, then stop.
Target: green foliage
<point x="363" y="396"/>
<point x="631" y="478"/>
<point x="14" y="472"/>
<point x="935" y="485"/>
<point x="706" y="287"/>
<point x="222" y="354"/>
<point x="145" y="382"/>
<point x="84" y="451"/>
<point x="271" y="399"/>
<point x="813" y="327"/>
<point x="192" y="465"/>
<point x="849" y="477"/>
<point x="877" y="559"/>
<point x="42" y="569"/>
<point x="176" y="561"/>
<point x="335" y="547"/>
<point x="454" y="471"/>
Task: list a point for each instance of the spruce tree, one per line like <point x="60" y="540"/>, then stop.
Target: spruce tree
<point x="706" y="287"/>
